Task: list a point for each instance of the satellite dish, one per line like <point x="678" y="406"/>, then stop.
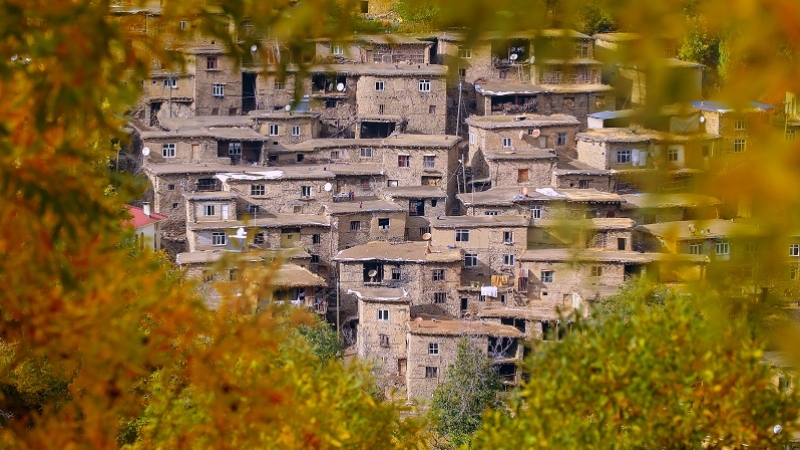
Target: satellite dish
<point x="340" y="87"/>
<point x="524" y="191"/>
<point x="533" y="59"/>
<point x="702" y="119"/>
<point x="372" y="273"/>
<point x="426" y="237"/>
<point x="327" y="187"/>
<point x="253" y="48"/>
<point x="777" y="429"/>
<point x="520" y="134"/>
<point x="146" y="151"/>
<point x="288" y="107"/>
<point x="240" y="233"/>
<point x="513" y="57"/>
<point x="536" y="133"/>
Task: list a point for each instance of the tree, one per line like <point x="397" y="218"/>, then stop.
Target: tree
<point x="655" y="377"/>
<point x="472" y="386"/>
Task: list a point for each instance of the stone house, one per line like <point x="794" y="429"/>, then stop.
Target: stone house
<point x="373" y="49"/>
<point x="363" y="180"/>
<point x="491" y="245"/>
<point x="432" y="344"/>
<point x="534" y="323"/>
<point x="146" y="225"/>
<point x="218" y="87"/>
<point x="541" y="202"/>
<point x="361" y="221"/>
<point x="523" y="131"/>
<point x="285" y="127"/>
<point x="721" y="240"/>
<point x="572" y="174"/>
<point x="430" y="275"/>
<point x="196" y="144"/>
<point x="598" y="233"/>
<point x="381" y="335"/>
<point x="655" y="208"/>
<point x="424" y="204"/>
<point x="739" y="129"/>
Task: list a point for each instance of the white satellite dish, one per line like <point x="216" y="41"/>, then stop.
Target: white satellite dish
<point x="426" y="237"/>
<point x="702" y="119"/>
<point x="146" y="151"/>
<point x="240" y="233"/>
<point x="777" y="429"/>
<point x="327" y="187"/>
<point x="513" y="57"/>
<point x="253" y="48"/>
<point x="533" y="59"/>
<point x="340" y="87"/>
<point x="536" y="133"/>
<point x="288" y="107"/>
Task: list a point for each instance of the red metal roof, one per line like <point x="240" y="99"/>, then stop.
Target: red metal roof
<point x="139" y="219"/>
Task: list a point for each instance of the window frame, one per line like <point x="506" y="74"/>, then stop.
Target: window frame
<point x="425" y="85"/>
<point x="624" y="157"/>
<point x="380" y="85"/>
<point x="219" y="238"/>
<point x="212" y="63"/>
<point x="507" y="142"/>
<point x="462" y="234"/>
<point x="366" y="152"/>
<point x="439" y="298"/>
<point x="169" y="150"/>
<point x="794" y="249"/>
<point x="696" y="249"/>
<point x="431" y="372"/>
<point x="209" y="210"/>
<point x="274" y="129"/>
<point x="383" y="315"/>
<point x="547" y="276"/>
<point x="295" y="130"/>
<point x="561" y="138"/>
<point x="433" y="348"/>
<point x="536" y="211"/>
<point x="355" y="225"/>
<point x="305" y="191"/>
<point x="739" y="145"/>
<point x="258" y="189"/>
<point x="470" y="260"/>
<point x="383" y="223"/>
<point x="337" y="49"/>
<point x="437" y="275"/>
<point x="508" y="237"/>
<point x="725" y="245"/>
<point x="508" y="259"/>
<point x="464" y="52"/>
<point x="404" y="161"/>
<point x="218" y="90"/>
<point x="429" y="161"/>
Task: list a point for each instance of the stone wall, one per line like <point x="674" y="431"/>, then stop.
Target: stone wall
<point x="539" y="172"/>
<point x="604" y="183"/>
<point x="418" y="385"/>
<point x="422" y="112"/>
<point x="187" y="150"/>
<point x="371" y="343"/>
<point x="282" y="196"/>
<point x="206" y="103"/>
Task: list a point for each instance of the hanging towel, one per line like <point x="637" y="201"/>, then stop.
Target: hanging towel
<point x="496" y="280"/>
<point x="489" y="291"/>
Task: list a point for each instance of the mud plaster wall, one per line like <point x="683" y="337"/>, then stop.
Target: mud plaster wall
<point x="370" y="329"/>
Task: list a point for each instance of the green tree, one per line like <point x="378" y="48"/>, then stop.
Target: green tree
<point x="472" y="386"/>
<point x="654" y="377"/>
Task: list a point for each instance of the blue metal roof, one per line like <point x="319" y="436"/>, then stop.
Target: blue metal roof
<point x="605" y="115"/>
<point x="722" y="107"/>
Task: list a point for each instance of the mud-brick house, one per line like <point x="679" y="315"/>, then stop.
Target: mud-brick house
<point x="491" y="245"/>
<point x="568" y="278"/>
<point x="741" y="129"/>
<point x="573" y="174"/>
<point x="357" y="222"/>
<point x="598" y="233"/>
<point x="424" y="203"/>
<point x="381" y="335"/>
<point x="296" y="189"/>
<point x="655" y="208"/>
<point x="541" y="202"/>
<point x="429" y="274"/>
<point x="362" y="179"/>
<point x="432" y="345"/>
<point x="285" y="127"/>
<point x="522" y="131"/>
<point x="207" y="145"/>
<point x="218" y="87"/>
<point x="225" y="272"/>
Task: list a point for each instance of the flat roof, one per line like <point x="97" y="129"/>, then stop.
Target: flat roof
<point x="414" y="192"/>
<point x="406" y="251"/>
<point x="212" y="195"/>
<point x="721" y="107"/>
<point x="292" y="275"/>
<point x="169" y="168"/>
<point x="389" y="38"/>
<point x="519" y="313"/>
<point x="634" y="201"/>
<point x="395" y="140"/>
<point x="521" y="121"/>
<point x="427" y="325"/>
<point x="225" y="133"/>
<point x="527" y="34"/>
<point x="266" y="220"/>
<point x="257" y="114"/>
<point x="631" y="135"/>
<point x="376" y="69"/>
<point x="609" y="256"/>
<point x="702" y="229"/>
<point x="212" y="256"/>
<point x="381" y="294"/>
<point x="522" y="154"/>
<point x="295" y="172"/>
<point x="599" y="223"/>
<point x="566" y="166"/>
<point x="576" y="88"/>
<point x="502" y="88"/>
<point x="508" y="196"/>
<point x="618" y="36"/>
<point x="479" y="221"/>
<point x="357" y="206"/>
<point x="355" y="169"/>
<point x="178" y="123"/>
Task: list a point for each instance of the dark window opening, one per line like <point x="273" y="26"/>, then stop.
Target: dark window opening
<point x="373" y="272"/>
<point x="328" y="83"/>
<point x="622" y="243"/>
<point x="300" y="158"/>
<point x="416" y="207"/>
<point x="206" y="184"/>
<point x="514" y="322"/>
<point x="364" y="7"/>
<point x="374" y="130"/>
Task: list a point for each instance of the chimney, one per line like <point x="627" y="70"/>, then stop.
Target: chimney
<point x="146" y="208"/>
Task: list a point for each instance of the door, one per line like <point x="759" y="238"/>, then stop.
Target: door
<point x="225" y="212"/>
<point x="402" y="364"/>
<point x="195" y="152"/>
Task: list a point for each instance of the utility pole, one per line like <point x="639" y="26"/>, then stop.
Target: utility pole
<point x="169" y="85"/>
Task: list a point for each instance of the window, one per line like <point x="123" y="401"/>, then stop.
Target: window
<point x="170" y="187"/>
<point x="462" y="72"/>
<point x="597" y="271"/>
<point x="403" y="160"/>
<point x="431" y="109"/>
<point x="383" y="224"/>
<point x="182" y="24"/>
<point x="364" y="183"/>
<point x="464" y="52"/>
<point x="508" y="260"/>
<point x="384" y="338"/>
<point x="234" y="148"/>
<point x="506" y="142"/>
<point x="738" y="145"/>
<point x="396" y="273"/>
<point x="355" y="225"/>
<point x="440" y="297"/>
<point x="508" y="237"/>
<point x="383" y="314"/>
<point x="623" y="156"/>
<point x="433" y="348"/>
<point x="791" y="135"/>
<point x="208" y="275"/>
<point x="274" y="129"/>
<point x="431" y="372"/>
<point x="279" y="86"/>
<point x="366" y="153"/>
<point x="337" y="49"/>
<point x="258" y="189"/>
<point x="428" y="162"/>
<point x="622" y="244"/>
<point x="673" y="155"/>
<point x="334" y="155"/>
<point x="438" y="274"/>
<point x="794" y="250"/>
<point x="296" y="130"/>
<point x="316" y="238"/>
<point x="423" y="230"/>
<point x="739" y="124"/>
<point x="522" y="175"/>
<point x="218" y="89"/>
<point x="472" y="138"/>
<point x="424" y="85"/>
<point x="171" y="83"/>
<point x="218" y="238"/>
<point x="252" y="208"/>
<point x="723" y="247"/>
<point x="381" y="109"/>
<point x="492" y="213"/>
<point x="583" y="184"/>
<point x="379" y="85"/>
<point x="212" y="63"/>
<point x="470" y="260"/>
<point x="233" y="275"/>
<point x="209" y="210"/>
<point x="462" y="235"/>
<point x="259" y="239"/>
<point x="793" y="273"/>
<point x="168" y="150"/>
<point x="391" y="183"/>
<point x="536" y="212"/>
<point x="547" y="276"/>
<point x="561" y="138"/>
<point x="174" y="206"/>
<point x="305" y="191"/>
